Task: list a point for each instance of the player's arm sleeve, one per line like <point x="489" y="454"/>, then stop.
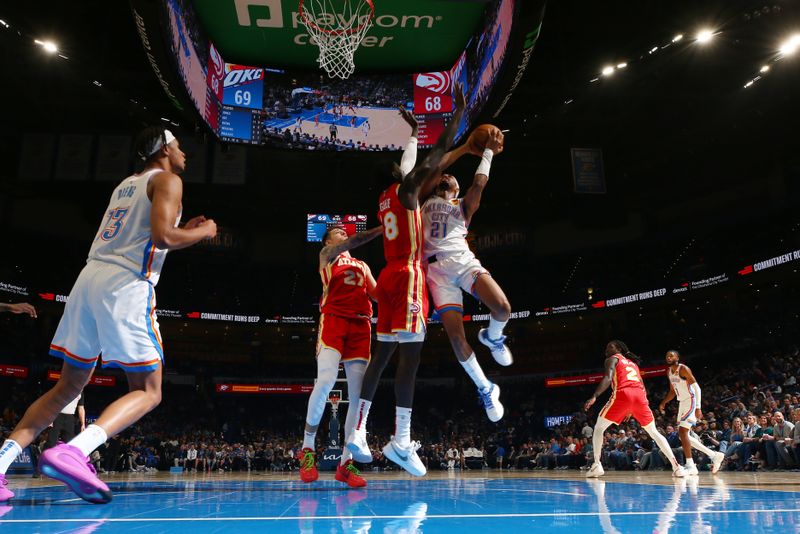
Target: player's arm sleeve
<point x="695" y="389"/>
<point x="409" y="158"/>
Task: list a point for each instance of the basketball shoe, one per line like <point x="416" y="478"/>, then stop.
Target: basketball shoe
<point x="596" y="471"/>
<point x="679" y="472"/>
<point x="499" y="351"/>
<point x="5" y="493"/>
<point x="359" y="447"/>
<point x="67" y="464"/>
<point x="491" y="403"/>
<point x="308" y="465"/>
<point x="691" y="470"/>
<point x="405" y="457"/>
<point x="716" y="462"/>
<point x="349" y="474"/>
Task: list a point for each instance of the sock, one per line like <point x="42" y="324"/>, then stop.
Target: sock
<point x="689" y="462"/>
<point x="597" y="438"/>
<point x="346" y="455"/>
<point x="698" y="445"/>
<point x="8" y="453"/>
<point x="402" y="426"/>
<point x="363" y="413"/>
<point x="89" y="439"/>
<point x="308" y="439"/>
<point x="473" y="369"/>
<point x="663" y="444"/>
<point x="495" y="329"/>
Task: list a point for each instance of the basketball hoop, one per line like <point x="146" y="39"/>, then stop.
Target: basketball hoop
<point x="337" y="27"/>
<point x="334" y="400"/>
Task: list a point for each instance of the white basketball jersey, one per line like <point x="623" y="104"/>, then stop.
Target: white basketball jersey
<point x="124" y="237"/>
<point x="445" y="226"/>
<point x="680" y="385"/>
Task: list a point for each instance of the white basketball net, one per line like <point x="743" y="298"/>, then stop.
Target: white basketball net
<point x="337" y="27"/>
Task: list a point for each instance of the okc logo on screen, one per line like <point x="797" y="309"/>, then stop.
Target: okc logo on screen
<point x="239" y="75"/>
<point x="436" y="82"/>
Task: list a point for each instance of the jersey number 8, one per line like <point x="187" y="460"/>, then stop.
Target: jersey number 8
<point x="390" y="229"/>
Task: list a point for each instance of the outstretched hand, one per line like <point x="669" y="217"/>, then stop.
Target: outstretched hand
<point x="408" y="117"/>
<point x="588" y="404"/>
<point x="461" y="102"/>
<point x="20" y="308"/>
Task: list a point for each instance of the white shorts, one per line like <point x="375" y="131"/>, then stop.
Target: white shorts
<point x="402" y="337"/>
<point x="686" y="413"/>
<point x="110" y="311"/>
<point x="448" y="276"/>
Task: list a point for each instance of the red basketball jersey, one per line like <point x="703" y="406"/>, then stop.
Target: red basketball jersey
<point x="344" y="288"/>
<point x="402" y="228"/>
<point x="626" y="375"/>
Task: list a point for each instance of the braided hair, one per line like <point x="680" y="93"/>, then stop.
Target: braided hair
<point x="623" y="349"/>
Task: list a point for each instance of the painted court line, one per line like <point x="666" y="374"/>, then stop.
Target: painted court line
<point x="426" y="517"/>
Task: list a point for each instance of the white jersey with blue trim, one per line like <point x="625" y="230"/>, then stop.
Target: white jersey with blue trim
<point x="679" y="384"/>
<point x="445" y="226"/>
<point x="125" y="236"/>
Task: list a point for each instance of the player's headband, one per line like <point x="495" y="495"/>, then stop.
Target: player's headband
<point x="156" y="145"/>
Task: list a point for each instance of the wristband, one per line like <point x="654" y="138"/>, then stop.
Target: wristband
<point x="486" y="162"/>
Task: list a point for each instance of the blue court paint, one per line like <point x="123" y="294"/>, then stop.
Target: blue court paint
<point x="425" y="505"/>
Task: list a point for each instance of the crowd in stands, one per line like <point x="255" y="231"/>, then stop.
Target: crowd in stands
<point x="751" y="411"/>
<point x="288" y="138"/>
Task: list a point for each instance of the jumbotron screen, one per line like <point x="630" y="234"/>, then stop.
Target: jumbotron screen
<point x="304" y="110"/>
<point x="318" y="224"/>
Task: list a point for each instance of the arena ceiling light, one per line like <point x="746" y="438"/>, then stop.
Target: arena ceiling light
<point x="677" y="38"/>
<point x="791" y="45"/>
<point x="704" y="36"/>
<point x="764" y="68"/>
<point x="622" y="65"/>
<point x="49" y="46"/>
<point x="608" y="70"/>
<point x="4" y="24"/>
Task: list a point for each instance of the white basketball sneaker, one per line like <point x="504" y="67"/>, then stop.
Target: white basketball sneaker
<point x="499" y="351"/>
<point x="716" y="462"/>
<point x="679" y="472"/>
<point x="359" y="448"/>
<point x="596" y="471"/>
<point x="491" y="402"/>
<point x="691" y="470"/>
<point x="405" y="457"/>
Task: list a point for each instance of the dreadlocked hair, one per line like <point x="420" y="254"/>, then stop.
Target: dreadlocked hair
<point x="623" y="349"/>
<point x="146" y="139"/>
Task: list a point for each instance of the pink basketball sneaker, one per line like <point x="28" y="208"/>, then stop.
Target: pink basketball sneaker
<point x="5" y="493"/>
<point x="67" y="464"/>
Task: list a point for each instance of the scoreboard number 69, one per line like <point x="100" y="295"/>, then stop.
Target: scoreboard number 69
<point x="241" y="97"/>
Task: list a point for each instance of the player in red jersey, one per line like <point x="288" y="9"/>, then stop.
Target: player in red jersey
<point x="344" y="336"/>
<point x="628" y="398"/>
<point x="402" y="298"/>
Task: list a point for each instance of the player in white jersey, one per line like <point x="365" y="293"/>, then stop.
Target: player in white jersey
<point x="111" y="312"/>
<point x="452" y="267"/>
<point x="683" y="385"/>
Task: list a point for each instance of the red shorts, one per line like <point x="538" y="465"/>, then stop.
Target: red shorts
<point x="350" y="337"/>
<point x="625" y="402"/>
<point x="402" y="299"/>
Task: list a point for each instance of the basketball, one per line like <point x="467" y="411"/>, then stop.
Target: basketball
<point x="479" y="137"/>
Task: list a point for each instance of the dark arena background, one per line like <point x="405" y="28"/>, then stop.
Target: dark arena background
<point x="647" y="192"/>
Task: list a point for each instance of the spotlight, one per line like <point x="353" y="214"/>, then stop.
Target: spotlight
<point x="763" y="69"/>
<point x="608" y="71"/>
<point x="704" y="36"/>
<point x="622" y="65"/>
<point x="49" y="46"/>
<point x="791" y="45"/>
<point x="677" y="38"/>
<point x="4" y="24"/>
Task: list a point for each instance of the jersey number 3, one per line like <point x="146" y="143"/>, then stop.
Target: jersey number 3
<point x="116" y="218"/>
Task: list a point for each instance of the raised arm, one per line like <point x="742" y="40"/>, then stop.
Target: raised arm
<point x="472" y="200"/>
<point x="409" y="158"/>
<point x="610" y="366"/>
<point x="165" y="192"/>
<point x="329" y="252"/>
<point x="425" y="176"/>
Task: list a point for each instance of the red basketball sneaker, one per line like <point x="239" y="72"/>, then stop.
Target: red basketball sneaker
<point x="308" y="465"/>
<point x="350" y="474"/>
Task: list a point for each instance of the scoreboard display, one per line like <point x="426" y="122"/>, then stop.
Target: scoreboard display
<point x="240" y="125"/>
<point x="318" y="224"/>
